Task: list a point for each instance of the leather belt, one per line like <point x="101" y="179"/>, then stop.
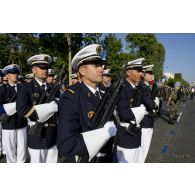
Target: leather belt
<point x="31" y="123"/>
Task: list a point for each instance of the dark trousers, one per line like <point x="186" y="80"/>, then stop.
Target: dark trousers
<point x="192" y="96"/>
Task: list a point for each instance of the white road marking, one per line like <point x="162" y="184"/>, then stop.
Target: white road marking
<point x="179" y="116"/>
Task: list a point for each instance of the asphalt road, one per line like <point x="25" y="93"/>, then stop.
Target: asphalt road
<point x="172" y="143"/>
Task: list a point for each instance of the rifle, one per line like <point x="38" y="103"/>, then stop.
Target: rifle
<point x="4" y="117"/>
<point x="154" y="92"/>
<point x="106" y="107"/>
<point x="37" y="128"/>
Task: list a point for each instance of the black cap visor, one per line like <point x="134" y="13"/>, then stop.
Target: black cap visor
<point x="42" y="66"/>
<point x="94" y="61"/>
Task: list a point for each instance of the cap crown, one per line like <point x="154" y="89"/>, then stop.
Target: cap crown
<point x="90" y="52"/>
<point x="12" y="68"/>
<point x="39" y="59"/>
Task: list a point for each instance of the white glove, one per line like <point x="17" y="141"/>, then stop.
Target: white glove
<point x="54" y="105"/>
<point x="139" y="113"/>
<point x="45" y="111"/>
<point x="110" y="128"/>
<point x="10" y="108"/>
<point x="97" y="138"/>
<point x="157" y="102"/>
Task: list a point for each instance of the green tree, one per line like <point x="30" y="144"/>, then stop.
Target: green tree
<point x="17" y="48"/>
<point x="178" y="77"/>
<point x="69" y="40"/>
<point x="28" y="45"/>
<point x="5" y="45"/>
<point x="160" y="58"/>
<point x="89" y="38"/>
<point x="114" y="58"/>
<point x="146" y="45"/>
<point x="56" y="44"/>
<point x="170" y="82"/>
<point x="185" y="83"/>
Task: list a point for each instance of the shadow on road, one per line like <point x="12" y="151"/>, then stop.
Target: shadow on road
<point x="164" y="115"/>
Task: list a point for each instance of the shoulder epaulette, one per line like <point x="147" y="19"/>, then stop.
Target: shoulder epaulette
<point x="71" y="91"/>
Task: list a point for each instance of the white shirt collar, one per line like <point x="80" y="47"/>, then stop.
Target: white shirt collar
<point x="133" y="85"/>
<point x="147" y="83"/>
<point x="13" y="84"/>
<point x="40" y="82"/>
<point x="92" y="89"/>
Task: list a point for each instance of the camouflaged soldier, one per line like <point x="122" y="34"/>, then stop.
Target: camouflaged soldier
<point x="172" y="103"/>
<point x="185" y="94"/>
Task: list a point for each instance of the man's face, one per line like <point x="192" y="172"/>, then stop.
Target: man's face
<point x="28" y="80"/>
<point x="50" y="79"/>
<point x="91" y="73"/>
<point x="12" y="77"/>
<point x="74" y="81"/>
<point x="106" y="79"/>
<point x="39" y="72"/>
<point x="134" y="75"/>
<point x="148" y="77"/>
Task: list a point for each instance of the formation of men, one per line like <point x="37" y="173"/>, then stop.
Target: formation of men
<point x="49" y="125"/>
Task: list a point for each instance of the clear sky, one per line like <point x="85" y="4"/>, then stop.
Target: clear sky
<point x="180" y="52"/>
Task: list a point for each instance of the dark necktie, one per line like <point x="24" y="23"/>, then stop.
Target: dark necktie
<point x="43" y="87"/>
<point x="97" y="94"/>
<point x="14" y="88"/>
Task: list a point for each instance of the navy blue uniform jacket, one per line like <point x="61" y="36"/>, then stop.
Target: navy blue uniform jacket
<point x="148" y="120"/>
<point x="15" y="121"/>
<point x="28" y="96"/>
<point x="76" y="106"/>
<point x="126" y="97"/>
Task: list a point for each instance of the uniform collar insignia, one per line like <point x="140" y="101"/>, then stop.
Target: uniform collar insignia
<point x="89" y="94"/>
<point x="35" y="94"/>
<point x="131" y="100"/>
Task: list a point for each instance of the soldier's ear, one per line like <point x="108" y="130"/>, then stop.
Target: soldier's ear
<point x="82" y="70"/>
<point x="33" y="70"/>
<point x="128" y="72"/>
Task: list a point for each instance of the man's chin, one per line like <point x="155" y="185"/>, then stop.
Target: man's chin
<point x="44" y="77"/>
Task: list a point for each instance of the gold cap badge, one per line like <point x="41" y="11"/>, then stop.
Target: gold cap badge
<point x="98" y="50"/>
